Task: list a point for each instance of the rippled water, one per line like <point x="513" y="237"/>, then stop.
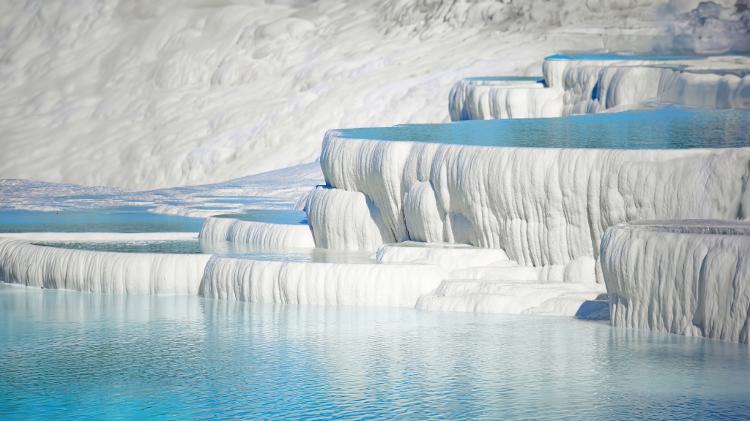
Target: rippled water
<point x="610" y="57"/>
<point x="126" y="219"/>
<point x="166" y="246"/>
<point x="270" y="216"/>
<point x="94" y="356"/>
<point x="221" y="248"/>
<point x="666" y="128"/>
<point x="529" y="79"/>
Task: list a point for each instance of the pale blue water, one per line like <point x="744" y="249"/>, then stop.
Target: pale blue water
<point x="506" y="78"/>
<point x="69" y="355"/>
<point x="607" y="57"/>
<point x="666" y="128"/>
<point x="223" y="248"/>
<point x="126" y="219"/>
<point x="166" y="246"/>
<point x="270" y="216"/>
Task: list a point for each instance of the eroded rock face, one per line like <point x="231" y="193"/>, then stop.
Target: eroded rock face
<point x="543" y="206"/>
<point x="713" y="29"/>
<point x="686" y="277"/>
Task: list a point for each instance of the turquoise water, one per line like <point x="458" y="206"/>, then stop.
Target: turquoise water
<point x="93" y="356"/>
<point x="223" y="248"/>
<point x="270" y="216"/>
<point x="166" y="246"/>
<point x="127" y="219"/>
<point x="667" y="128"/>
<point x="505" y="79"/>
<point x="607" y="57"/>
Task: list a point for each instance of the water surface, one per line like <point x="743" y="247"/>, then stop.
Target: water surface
<point x="665" y="128"/>
<point x="530" y="79"/>
<point x="96" y="356"/>
<point x="270" y="216"/>
<point x="124" y="219"/>
<point x="219" y="248"/>
<point x="613" y="57"/>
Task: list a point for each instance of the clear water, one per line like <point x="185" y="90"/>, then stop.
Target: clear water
<point x="666" y="128"/>
<point x="223" y="248"/>
<point x="91" y="356"/>
<point x="270" y="216"/>
<point x="606" y="57"/>
<point x="167" y="246"/>
<point x="126" y="219"/>
<point x="505" y="79"/>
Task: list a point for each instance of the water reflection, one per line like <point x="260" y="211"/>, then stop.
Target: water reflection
<point x="97" y="355"/>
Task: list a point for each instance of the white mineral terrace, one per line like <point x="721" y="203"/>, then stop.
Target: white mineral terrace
<point x="256" y="234"/>
<point x="114" y="273"/>
<point x="444" y="277"/>
<point x="544" y="207"/>
<point x="685" y="277"/>
<point x="510" y="228"/>
<point x="585" y="86"/>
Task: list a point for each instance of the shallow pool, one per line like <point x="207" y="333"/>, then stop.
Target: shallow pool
<point x="124" y="219"/>
<point x="529" y="79"/>
<point x="270" y="216"/>
<point x="667" y="128"/>
<point x="222" y="248"/>
<point x="96" y="356"/>
<point x="623" y="56"/>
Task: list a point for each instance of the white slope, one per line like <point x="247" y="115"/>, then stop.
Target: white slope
<point x="279" y="189"/>
<point x="685" y="277"/>
<point x="147" y="94"/>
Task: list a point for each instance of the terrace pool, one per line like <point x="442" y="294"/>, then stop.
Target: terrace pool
<point x="156" y="246"/>
<point x="125" y="219"/>
<point x="622" y="56"/>
<point x="95" y="356"/>
<point x="224" y="249"/>
<point x="665" y="128"/>
<point x="509" y="79"/>
<point x="270" y="216"/>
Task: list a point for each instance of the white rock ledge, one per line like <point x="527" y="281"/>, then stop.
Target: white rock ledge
<point x="332" y="284"/>
<point x="95" y="271"/>
<point x="423" y="276"/>
<point x="258" y="235"/>
<point x="591" y="86"/>
<point x="450" y="257"/>
<point x="542" y="206"/>
<point x="686" y="277"/>
<point x="510" y="297"/>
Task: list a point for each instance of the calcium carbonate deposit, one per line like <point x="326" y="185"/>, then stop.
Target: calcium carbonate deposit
<point x="517" y="215"/>
<point x="685" y="277"/>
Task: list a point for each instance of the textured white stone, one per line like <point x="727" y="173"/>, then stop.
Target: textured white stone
<point x="481" y="100"/>
<point x="345" y="220"/>
<point x="505" y="297"/>
<point x="319" y="283"/>
<point x="448" y="256"/>
<point x="256" y="234"/>
<point x="114" y="273"/>
<point x="542" y="206"/>
<point x="592" y="86"/>
<point x="685" y="277"/>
